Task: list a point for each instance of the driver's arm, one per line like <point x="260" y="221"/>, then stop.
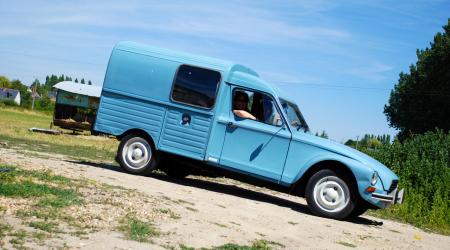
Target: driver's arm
<point x="243" y="114"/>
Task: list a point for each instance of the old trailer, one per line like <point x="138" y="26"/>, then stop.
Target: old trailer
<point x="76" y="105"/>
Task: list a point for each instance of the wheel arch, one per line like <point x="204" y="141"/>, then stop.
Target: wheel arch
<point x="340" y="168"/>
<point x="139" y="132"/>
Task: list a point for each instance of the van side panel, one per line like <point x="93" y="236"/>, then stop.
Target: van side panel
<point x="188" y="139"/>
<point x="141" y="75"/>
<point x="136" y="95"/>
<point x="120" y="113"/>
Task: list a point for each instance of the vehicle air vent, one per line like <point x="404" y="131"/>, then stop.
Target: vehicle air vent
<point x="393" y="185"/>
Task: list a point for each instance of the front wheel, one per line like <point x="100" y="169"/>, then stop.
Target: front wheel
<point x="136" y="155"/>
<point x="330" y="195"/>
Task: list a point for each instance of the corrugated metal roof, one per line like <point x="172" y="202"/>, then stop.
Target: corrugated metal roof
<point x="78" y="88"/>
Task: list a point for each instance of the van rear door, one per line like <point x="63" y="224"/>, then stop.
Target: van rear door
<point x="188" y="122"/>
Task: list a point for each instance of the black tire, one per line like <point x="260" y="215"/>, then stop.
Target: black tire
<point x="330" y="195"/>
<point x="137" y="155"/>
<point x="173" y="168"/>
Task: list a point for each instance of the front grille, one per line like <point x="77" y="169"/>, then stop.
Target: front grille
<point x="393" y="186"/>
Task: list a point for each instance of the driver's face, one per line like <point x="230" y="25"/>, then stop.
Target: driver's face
<point x="240" y="103"/>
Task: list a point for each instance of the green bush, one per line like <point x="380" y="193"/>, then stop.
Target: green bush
<point x="423" y="165"/>
<point x="8" y="102"/>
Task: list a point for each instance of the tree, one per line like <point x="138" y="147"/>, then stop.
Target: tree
<point x="25" y="96"/>
<point x="89" y="82"/>
<point x="350" y="143"/>
<point x="82" y="81"/>
<point x="4" y="82"/>
<point x="420" y="101"/>
<point x="324" y="135"/>
<point x="76" y="80"/>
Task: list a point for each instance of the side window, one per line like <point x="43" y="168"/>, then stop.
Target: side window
<point x="255" y="106"/>
<point x="195" y="86"/>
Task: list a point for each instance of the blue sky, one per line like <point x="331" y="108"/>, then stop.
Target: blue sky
<point x="337" y="59"/>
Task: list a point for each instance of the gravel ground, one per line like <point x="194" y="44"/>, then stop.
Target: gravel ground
<point x="198" y="212"/>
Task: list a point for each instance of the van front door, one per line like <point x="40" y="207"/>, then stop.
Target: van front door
<point x="256" y="139"/>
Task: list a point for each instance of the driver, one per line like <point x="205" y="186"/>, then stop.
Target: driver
<point x="240" y="105"/>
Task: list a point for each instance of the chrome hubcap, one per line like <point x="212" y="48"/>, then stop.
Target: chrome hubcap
<point x="330" y="195"/>
<point x="136" y="153"/>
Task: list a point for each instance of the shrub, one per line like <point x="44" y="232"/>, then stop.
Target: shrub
<point x="423" y="165"/>
<point x="7" y="102"/>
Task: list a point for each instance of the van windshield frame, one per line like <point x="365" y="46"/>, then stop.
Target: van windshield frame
<point x="293" y="115"/>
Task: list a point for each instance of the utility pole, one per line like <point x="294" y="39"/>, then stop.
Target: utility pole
<point x="33" y="92"/>
<point x="357" y="138"/>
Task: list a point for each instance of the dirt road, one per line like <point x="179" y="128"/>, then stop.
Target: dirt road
<point x="214" y="212"/>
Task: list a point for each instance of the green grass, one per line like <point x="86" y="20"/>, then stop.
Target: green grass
<point x="18" y="238"/>
<point x="74" y="151"/>
<point x="45" y="214"/>
<point x="136" y="229"/>
<point x="4" y="229"/>
<point x="28" y="184"/>
<point x="14" y="124"/>
<point x="47" y="194"/>
<point x="256" y="245"/>
<point x="44" y="226"/>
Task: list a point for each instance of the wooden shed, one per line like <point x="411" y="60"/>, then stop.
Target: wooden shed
<point x="76" y="105"/>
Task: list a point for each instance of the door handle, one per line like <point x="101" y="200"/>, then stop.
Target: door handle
<point x="185" y="119"/>
<point x="232" y="125"/>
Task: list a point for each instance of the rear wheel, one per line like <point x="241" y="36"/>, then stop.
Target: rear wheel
<point x="330" y="195"/>
<point x="136" y="155"/>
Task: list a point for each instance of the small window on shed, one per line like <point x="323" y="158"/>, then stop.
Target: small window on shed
<point x="196" y="86"/>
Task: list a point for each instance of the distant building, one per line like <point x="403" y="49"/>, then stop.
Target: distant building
<point x="11" y="94"/>
<point x="35" y="95"/>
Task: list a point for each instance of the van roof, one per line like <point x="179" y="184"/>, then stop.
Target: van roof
<point x="236" y="73"/>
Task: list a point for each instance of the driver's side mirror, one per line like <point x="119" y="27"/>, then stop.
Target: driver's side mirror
<point x="279" y="122"/>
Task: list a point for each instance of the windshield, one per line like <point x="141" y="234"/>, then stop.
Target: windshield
<point x="294" y="116"/>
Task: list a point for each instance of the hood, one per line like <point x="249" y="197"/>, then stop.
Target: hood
<point x="385" y="174"/>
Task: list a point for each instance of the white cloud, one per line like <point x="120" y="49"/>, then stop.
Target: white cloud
<point x="228" y="21"/>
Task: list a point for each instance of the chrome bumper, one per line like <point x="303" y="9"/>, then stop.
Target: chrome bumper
<point x="394" y="197"/>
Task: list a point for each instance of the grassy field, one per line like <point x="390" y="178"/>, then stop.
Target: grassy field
<point x="14" y="125"/>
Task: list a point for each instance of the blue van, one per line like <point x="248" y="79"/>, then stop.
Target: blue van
<point x="164" y="105"/>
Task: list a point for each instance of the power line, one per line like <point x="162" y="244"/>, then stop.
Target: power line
<point x="321" y="85"/>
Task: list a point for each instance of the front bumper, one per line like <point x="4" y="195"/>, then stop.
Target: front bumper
<point x="394" y="197"/>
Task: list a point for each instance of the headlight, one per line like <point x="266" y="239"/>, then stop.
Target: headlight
<point x="374" y="178"/>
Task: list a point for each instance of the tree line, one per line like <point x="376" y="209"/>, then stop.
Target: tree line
<point x="44" y="90"/>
